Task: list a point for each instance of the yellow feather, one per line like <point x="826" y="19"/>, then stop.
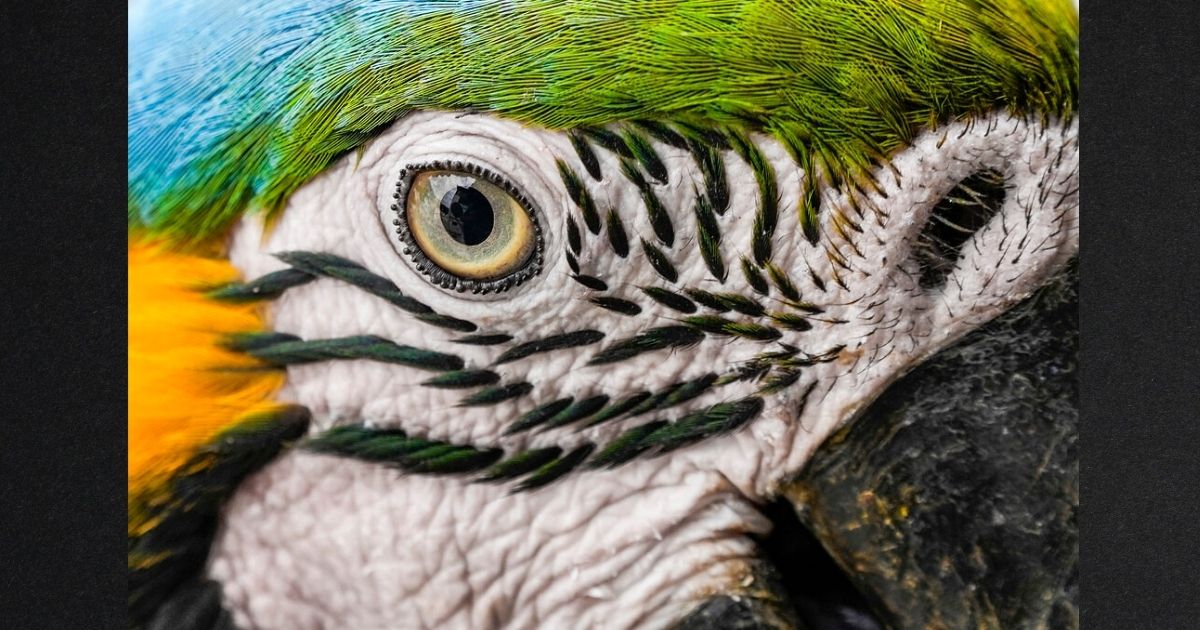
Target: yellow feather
<point x="182" y="392"/>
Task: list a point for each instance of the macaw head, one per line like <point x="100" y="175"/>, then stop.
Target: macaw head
<point x="548" y="296"/>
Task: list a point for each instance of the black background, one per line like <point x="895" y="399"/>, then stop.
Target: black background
<point x="63" y="320"/>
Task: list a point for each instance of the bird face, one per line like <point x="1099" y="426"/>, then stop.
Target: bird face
<point x="551" y="372"/>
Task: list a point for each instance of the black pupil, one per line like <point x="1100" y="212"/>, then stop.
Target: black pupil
<point x="467" y="215"/>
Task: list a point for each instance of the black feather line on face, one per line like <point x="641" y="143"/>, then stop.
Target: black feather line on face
<point x="484" y="340"/>
<point x="707" y="299"/>
<point x="549" y="344"/>
<point x="576" y="412"/>
<point x="783" y="282"/>
<point x="670" y="299"/>
<point x="538" y="415"/>
<point x="715" y="420"/>
<point x="331" y="266"/>
<point x="590" y="162"/>
<point x="660" y="219"/>
<point x="791" y="321"/>
<point x="740" y="303"/>
<point x="282" y="350"/>
<point x="648" y="341"/>
<point x="498" y="394"/>
<point x="712" y="167"/>
<point x="616" y="305"/>
<point x="591" y="282"/>
<point x="626" y="446"/>
<point x="463" y="379"/>
<point x="608" y="140"/>
<point x="520" y="464"/>
<point x="644" y="153"/>
<point x="579" y="194"/>
<point x="556" y="468"/>
<point x="616" y="234"/>
<point x="267" y="287"/>
<point x="704" y="136"/>
<point x="767" y="217"/>
<point x="662" y="132"/>
<point x="659" y="261"/>
<point x="573" y="239"/>
<point x="754" y="277"/>
<point x="617" y="409"/>
<point x="655" y="401"/>
<point x="710" y="238"/>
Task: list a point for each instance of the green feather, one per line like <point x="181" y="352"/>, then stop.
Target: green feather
<point x="854" y="80"/>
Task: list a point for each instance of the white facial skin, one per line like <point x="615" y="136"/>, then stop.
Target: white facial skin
<point x="318" y="541"/>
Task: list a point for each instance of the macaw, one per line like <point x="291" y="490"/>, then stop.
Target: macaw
<point x="513" y="313"/>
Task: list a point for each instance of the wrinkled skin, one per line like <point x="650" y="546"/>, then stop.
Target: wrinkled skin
<point x="316" y="540"/>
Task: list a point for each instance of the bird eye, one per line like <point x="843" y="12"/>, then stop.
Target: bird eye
<point x="466" y="228"/>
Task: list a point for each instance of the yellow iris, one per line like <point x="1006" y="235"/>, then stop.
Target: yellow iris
<point x="469" y="226"/>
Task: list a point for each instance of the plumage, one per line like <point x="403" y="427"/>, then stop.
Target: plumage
<point x="235" y="108"/>
<point x="302" y="83"/>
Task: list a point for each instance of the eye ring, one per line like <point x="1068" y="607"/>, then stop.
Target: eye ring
<point x="529" y="266"/>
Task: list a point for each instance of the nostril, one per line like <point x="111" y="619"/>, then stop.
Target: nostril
<point x="959" y="214"/>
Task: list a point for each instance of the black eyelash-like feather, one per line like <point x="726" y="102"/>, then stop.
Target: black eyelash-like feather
<point x="715" y="420"/>
<point x="660" y="220"/>
<point x="767" y="216"/>
<point x="557" y="468"/>
<point x="266" y="287"/>
<point x="754" y="277"/>
<point x="717" y="325"/>
<point x="521" y="463"/>
<point x="447" y="322"/>
<point x="703" y="135"/>
<point x="651" y="340"/>
<point x="712" y="167"/>
<point x="573" y="239"/>
<point x="660" y="262"/>
<point x="591" y="282"/>
<point x="783" y="282"/>
<point x="281" y="350"/>
<point x="464" y="459"/>
<point x="484" y="339"/>
<point x="463" y="379"/>
<point x="707" y="299"/>
<point x="791" y="321"/>
<point x="779" y="380"/>
<point x="655" y="401"/>
<point x="810" y="193"/>
<point x="644" y="153"/>
<point x="549" y="344"/>
<point x="689" y="390"/>
<point x="347" y="271"/>
<point x="576" y="412"/>
<point x="498" y="394"/>
<point x="617" y="305"/>
<point x="538" y="415"/>
<point x="740" y="303"/>
<point x="616" y="234"/>
<point x="670" y="299"/>
<point x="608" y="140"/>
<point x="626" y="446"/>
<point x="710" y="238"/>
<point x="586" y="155"/>
<point x="663" y="133"/>
<point x="617" y="409"/>
<point x="581" y="197"/>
